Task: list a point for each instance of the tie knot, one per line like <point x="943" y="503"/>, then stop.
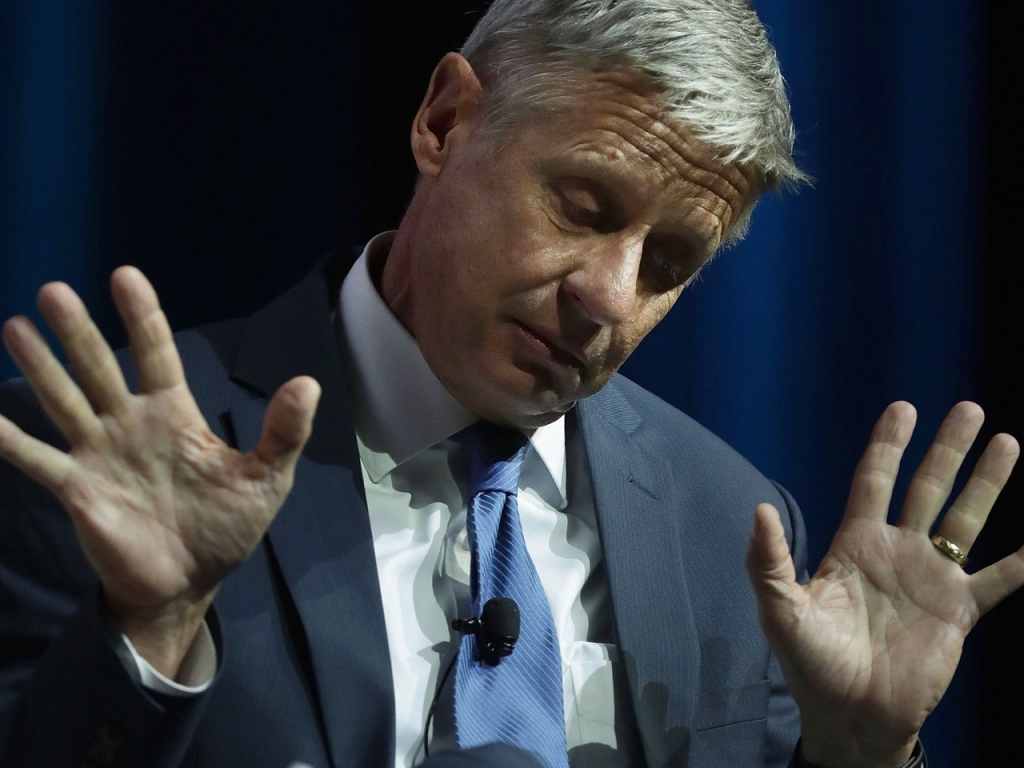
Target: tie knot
<point x="494" y="457"/>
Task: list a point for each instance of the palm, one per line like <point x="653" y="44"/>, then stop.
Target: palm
<point x="866" y="618"/>
<point x="163" y="508"/>
<point x="870" y="644"/>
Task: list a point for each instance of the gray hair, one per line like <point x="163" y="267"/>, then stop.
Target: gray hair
<point x="710" y="62"/>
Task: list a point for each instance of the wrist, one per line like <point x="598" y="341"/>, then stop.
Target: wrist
<point x="916" y="759"/>
<point x="842" y="754"/>
<point x="162" y="636"/>
<point x="846" y="741"/>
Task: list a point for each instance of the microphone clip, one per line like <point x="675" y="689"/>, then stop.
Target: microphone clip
<point x="496" y="631"/>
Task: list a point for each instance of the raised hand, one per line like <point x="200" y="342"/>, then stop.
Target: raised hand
<point x="163" y="509"/>
<point x="870" y="644"/>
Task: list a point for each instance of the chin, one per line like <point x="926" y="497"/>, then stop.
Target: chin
<point x="536" y="418"/>
<point x="525" y="395"/>
<point x="541" y="407"/>
<point x="525" y="409"/>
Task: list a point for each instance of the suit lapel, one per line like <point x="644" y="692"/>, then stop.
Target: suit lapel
<point x="645" y="573"/>
<point x="321" y="538"/>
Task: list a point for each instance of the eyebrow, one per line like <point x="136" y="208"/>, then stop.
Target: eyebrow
<point x="605" y="179"/>
<point x="603" y="169"/>
<point x="609" y="177"/>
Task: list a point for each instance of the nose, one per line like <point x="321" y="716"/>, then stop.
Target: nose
<point x="603" y="281"/>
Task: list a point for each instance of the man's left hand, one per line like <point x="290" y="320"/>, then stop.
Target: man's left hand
<point x="869" y="645"/>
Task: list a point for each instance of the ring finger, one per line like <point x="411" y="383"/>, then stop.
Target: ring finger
<point x="966" y="518"/>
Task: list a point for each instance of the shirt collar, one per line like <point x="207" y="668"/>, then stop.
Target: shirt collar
<point x="401" y="407"/>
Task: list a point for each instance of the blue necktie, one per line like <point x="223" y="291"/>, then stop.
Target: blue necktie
<point x="519" y="700"/>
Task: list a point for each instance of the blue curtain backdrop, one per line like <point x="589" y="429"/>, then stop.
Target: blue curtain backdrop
<point x="225" y="150"/>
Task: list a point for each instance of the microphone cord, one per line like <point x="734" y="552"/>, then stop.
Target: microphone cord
<point x="433" y="704"/>
<point x="498" y="625"/>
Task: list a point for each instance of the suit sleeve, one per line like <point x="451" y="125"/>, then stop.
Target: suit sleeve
<point x="783" y="715"/>
<point x="66" y="696"/>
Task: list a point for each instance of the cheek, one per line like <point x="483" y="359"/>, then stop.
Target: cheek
<point x="621" y="348"/>
<point x="629" y="336"/>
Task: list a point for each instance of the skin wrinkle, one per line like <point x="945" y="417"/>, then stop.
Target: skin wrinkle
<point x="681" y="163"/>
<point x="719" y="213"/>
<point x="606" y="165"/>
<point x="668" y="156"/>
<point x="644" y="111"/>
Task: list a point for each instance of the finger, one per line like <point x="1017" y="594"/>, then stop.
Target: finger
<point x="965" y="519"/>
<point x="288" y="423"/>
<point x="156" y="357"/>
<point x="40" y="461"/>
<point x="875" y="476"/>
<point x="60" y="397"/>
<point x="991" y="585"/>
<point x="89" y="355"/>
<point x="769" y="562"/>
<point x="933" y="481"/>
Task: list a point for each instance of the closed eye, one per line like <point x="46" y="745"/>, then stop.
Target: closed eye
<point x="585" y="207"/>
<point x="668" y="263"/>
<point x="581" y="215"/>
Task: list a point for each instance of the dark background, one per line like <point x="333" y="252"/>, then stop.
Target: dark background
<point x="225" y="149"/>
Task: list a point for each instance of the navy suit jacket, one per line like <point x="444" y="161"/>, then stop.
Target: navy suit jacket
<point x="304" y="672"/>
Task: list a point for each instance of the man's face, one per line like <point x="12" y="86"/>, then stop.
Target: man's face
<point x="529" y="274"/>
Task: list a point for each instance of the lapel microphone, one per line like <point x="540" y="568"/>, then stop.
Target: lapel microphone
<point x="497" y="629"/>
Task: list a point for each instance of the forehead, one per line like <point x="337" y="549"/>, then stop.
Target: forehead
<point x="612" y="125"/>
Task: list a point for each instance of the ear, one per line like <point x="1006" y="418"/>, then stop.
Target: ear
<point x="447" y="114"/>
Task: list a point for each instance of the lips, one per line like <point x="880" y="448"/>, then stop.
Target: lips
<point x="550" y="346"/>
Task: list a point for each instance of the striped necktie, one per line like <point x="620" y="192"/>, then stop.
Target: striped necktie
<point x="518" y="700"/>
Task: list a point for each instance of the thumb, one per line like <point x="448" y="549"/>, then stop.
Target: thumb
<point x="769" y="562"/>
<point x="288" y="423"/>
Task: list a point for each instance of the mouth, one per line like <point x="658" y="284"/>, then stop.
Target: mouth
<point x="551" y="348"/>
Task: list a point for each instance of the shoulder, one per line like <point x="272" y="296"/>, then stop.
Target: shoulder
<point x="662" y="429"/>
<point x="698" y="469"/>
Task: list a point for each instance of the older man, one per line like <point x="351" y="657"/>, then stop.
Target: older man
<point x="238" y="575"/>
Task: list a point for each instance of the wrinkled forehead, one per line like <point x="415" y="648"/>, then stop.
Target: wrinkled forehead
<point x="612" y="126"/>
<point x="592" y="107"/>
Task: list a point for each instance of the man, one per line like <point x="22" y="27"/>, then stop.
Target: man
<point x="579" y="164"/>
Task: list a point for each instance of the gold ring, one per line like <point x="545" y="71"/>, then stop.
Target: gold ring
<point x="950" y="550"/>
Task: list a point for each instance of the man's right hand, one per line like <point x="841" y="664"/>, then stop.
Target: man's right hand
<point x="163" y="509"/>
